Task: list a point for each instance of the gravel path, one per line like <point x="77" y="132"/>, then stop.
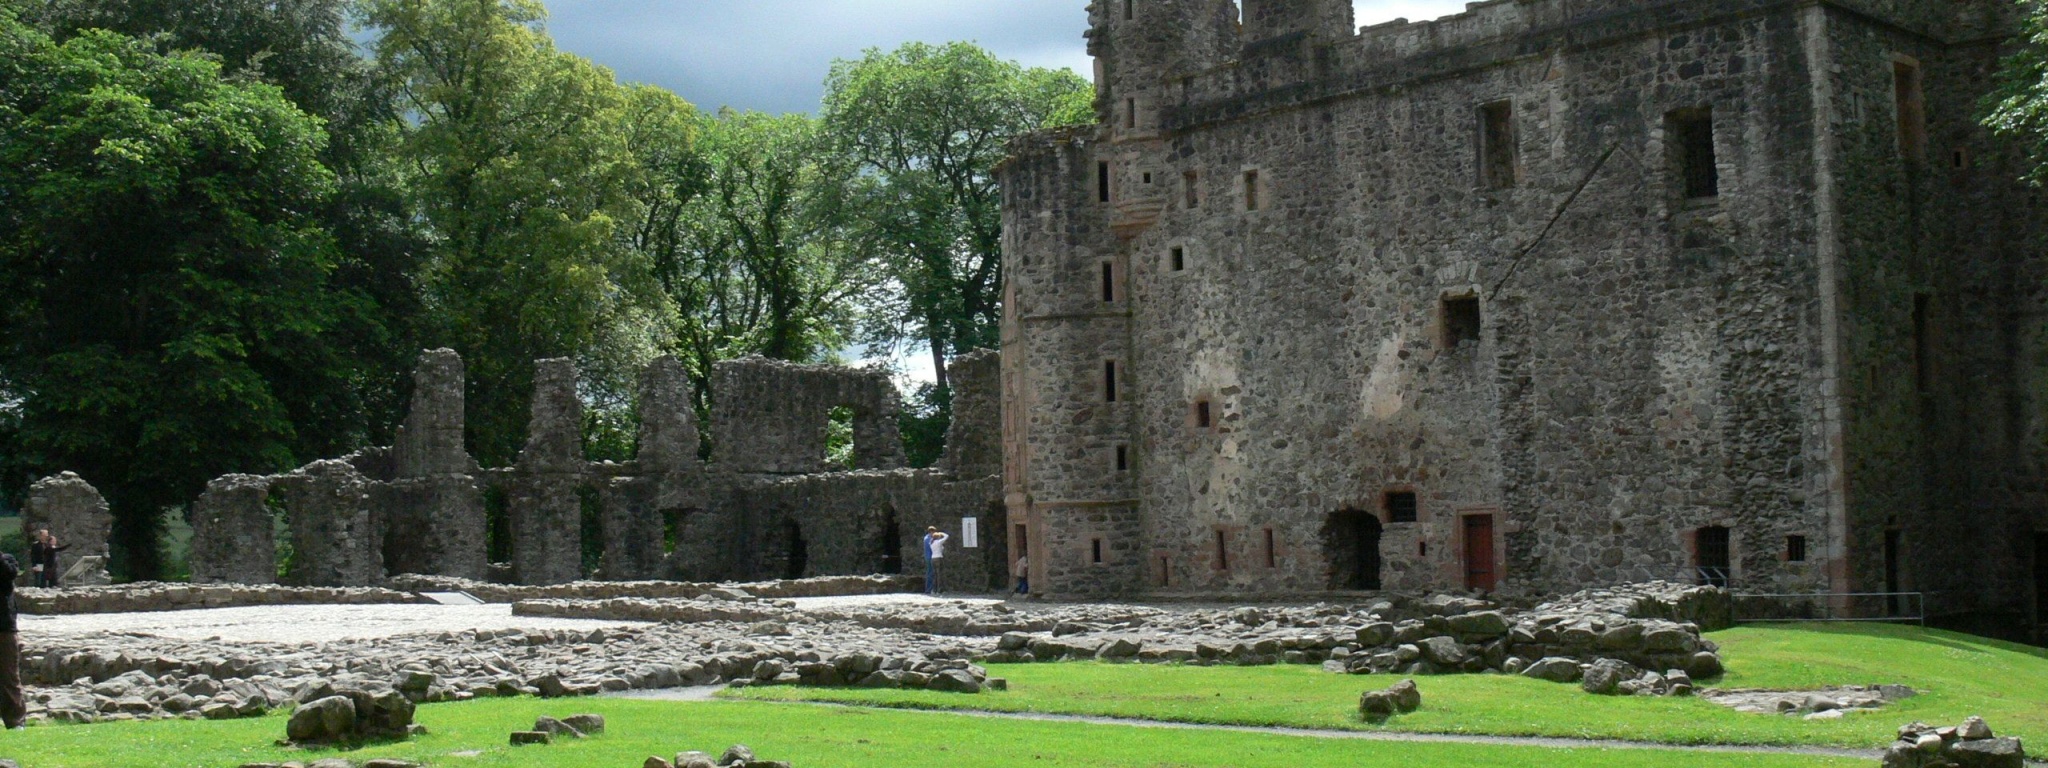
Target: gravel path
<point x="303" y="623"/>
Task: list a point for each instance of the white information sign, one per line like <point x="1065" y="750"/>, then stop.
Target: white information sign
<point x="970" y="532"/>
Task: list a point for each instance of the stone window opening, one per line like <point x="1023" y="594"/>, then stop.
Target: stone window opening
<point x="1251" y="190"/>
<point x="1108" y="282"/>
<point x="1095" y="551"/>
<point x="590" y="529"/>
<point x="1795" y="549"/>
<point x="1923" y="347"/>
<point x="1712" y="556"/>
<point x="1148" y="178"/>
<point x="1691" y="136"/>
<point x="839" y="447"/>
<point x="1402" y="506"/>
<point x="1462" y="322"/>
<point x="1102" y="182"/>
<point x="1272" y="549"/>
<point x="1960" y="159"/>
<point x="1422" y="549"/>
<point x="1204" y="418"/>
<point x="281" y="530"/>
<point x="1178" y="258"/>
<point x="1909" y="100"/>
<point x="1131" y="118"/>
<point x="1497" y="151"/>
<point x="1165" y="571"/>
<point x="1123" y="458"/>
<point x="1191" y="184"/>
<point x="1109" y="381"/>
<point x="1222" y="549"/>
<point x="674" y="526"/>
<point x="1130" y="9"/>
<point x="1351" y="547"/>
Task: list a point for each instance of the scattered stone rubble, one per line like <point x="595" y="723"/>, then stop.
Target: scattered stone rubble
<point x="547" y="729"/>
<point x="1821" y="704"/>
<point x="144" y="597"/>
<point x="353" y="716"/>
<point x="1970" y="745"/>
<point x="339" y="762"/>
<point x="735" y="756"/>
<point x="752" y="641"/>
<point x="1400" y="698"/>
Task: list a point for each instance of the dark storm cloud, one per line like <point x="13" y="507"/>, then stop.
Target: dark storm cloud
<point x="772" y="55"/>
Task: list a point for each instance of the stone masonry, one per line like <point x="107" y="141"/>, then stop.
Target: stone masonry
<point x="1542" y="295"/>
<point x="79" y="519"/>
<point x="768" y="506"/>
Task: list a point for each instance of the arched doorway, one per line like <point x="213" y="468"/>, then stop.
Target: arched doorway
<point x="892" y="542"/>
<point x="797" y="554"/>
<point x="1351" y="546"/>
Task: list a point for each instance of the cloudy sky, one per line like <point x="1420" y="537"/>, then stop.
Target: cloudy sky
<point x="772" y="55"/>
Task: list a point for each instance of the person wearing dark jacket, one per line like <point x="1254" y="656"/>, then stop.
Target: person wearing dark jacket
<point x="13" y="709"/>
<point x="42" y="558"/>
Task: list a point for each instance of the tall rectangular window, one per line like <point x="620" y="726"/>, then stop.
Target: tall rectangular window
<point x="1923" y="346"/>
<point x="1251" y="190"/>
<point x="1911" y="102"/>
<point x="1691" y="133"/>
<point x="1202" y="416"/>
<point x="1222" y="550"/>
<point x="1795" y="549"/>
<point x="1402" y="507"/>
<point x="1272" y="550"/>
<point x="1102" y="182"/>
<point x="1095" y="551"/>
<point x="1130" y="113"/>
<point x="1130" y="10"/>
<point x="1109" y="381"/>
<point x="1497" y="145"/>
<point x="1108" y="281"/>
<point x="1192" y="181"/>
<point x="1179" y="258"/>
<point x="1462" y="323"/>
<point x="1123" y="458"/>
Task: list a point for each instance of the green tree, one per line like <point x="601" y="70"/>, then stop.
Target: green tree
<point x="2018" y="106"/>
<point x="518" y="160"/>
<point x="169" y="290"/>
<point x="927" y="126"/>
<point x="757" y="259"/>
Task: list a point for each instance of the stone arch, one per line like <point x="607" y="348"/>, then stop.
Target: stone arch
<point x="1351" y="547"/>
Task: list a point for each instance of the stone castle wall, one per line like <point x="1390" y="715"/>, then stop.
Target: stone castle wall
<point x="1291" y="233"/>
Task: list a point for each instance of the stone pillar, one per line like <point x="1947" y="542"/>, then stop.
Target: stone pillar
<point x="334" y="543"/>
<point x="78" y="516"/>
<point x="233" y="534"/>
<point x="974" y="440"/>
<point x="543" y="499"/>
<point x="434" y="520"/>
<point x="668" y="419"/>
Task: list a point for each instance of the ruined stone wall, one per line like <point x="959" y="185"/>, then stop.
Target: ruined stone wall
<point x="432" y="509"/>
<point x="76" y="515"/>
<point x="850" y="524"/>
<point x="770" y="417"/>
<point x="234" y="533"/>
<point x="1286" y="237"/>
<point x="974" y="438"/>
<point x="335" y="541"/>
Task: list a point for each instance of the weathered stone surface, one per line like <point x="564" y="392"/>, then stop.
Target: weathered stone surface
<point x="1554" y="669"/>
<point x="1969" y="745"/>
<point x="334" y="540"/>
<point x="80" y="520"/>
<point x="325" y="720"/>
<point x="233" y="533"/>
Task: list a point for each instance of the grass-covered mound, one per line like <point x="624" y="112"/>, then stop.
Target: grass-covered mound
<point x="1957" y="675"/>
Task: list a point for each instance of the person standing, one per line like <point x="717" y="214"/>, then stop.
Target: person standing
<point x="1023" y="573"/>
<point x="42" y="558"/>
<point x="13" y="709"/>
<point x="934" y="550"/>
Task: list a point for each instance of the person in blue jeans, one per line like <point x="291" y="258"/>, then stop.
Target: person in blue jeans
<point x="934" y="550"/>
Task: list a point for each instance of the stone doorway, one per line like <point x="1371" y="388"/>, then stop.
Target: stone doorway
<point x="1481" y="573"/>
<point x="796" y="553"/>
<point x="892" y="542"/>
<point x="1711" y="555"/>
<point x="1351" y="545"/>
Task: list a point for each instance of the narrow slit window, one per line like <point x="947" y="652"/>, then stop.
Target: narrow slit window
<point x="1422" y="549"/>
<point x="1130" y="113"/>
<point x="1202" y="417"/>
<point x="1911" y="101"/>
<point x="1095" y="551"/>
<point x="1462" y="323"/>
<point x="1222" y="550"/>
<point x="1108" y="281"/>
<point x="1123" y="458"/>
<point x="1102" y="182"/>
<point x="1497" y="145"/>
<point x="1130" y="10"/>
<point x="1251" y="190"/>
<point x="1795" y="549"/>
<point x="1109" y="381"/>
<point x="1692" y="134"/>
<point x="1401" y="506"/>
<point x="1179" y="258"/>
<point x="1272" y="550"/>
<point x="1192" y="181"/>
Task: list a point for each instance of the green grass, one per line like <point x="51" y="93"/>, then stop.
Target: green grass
<point x="808" y="736"/>
<point x="1958" y="675"/>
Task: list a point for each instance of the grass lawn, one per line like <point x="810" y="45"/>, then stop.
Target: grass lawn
<point x="808" y="736"/>
<point x="1957" y="675"/>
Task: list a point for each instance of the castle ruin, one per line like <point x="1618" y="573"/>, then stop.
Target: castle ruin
<point x="1546" y="294"/>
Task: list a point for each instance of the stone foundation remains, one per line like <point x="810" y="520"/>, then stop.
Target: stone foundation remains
<point x="78" y="518"/>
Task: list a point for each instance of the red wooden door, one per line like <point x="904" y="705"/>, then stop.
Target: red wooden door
<point x="1479" y="564"/>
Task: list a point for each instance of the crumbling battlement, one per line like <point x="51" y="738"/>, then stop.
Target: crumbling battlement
<point x="770" y="506"/>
